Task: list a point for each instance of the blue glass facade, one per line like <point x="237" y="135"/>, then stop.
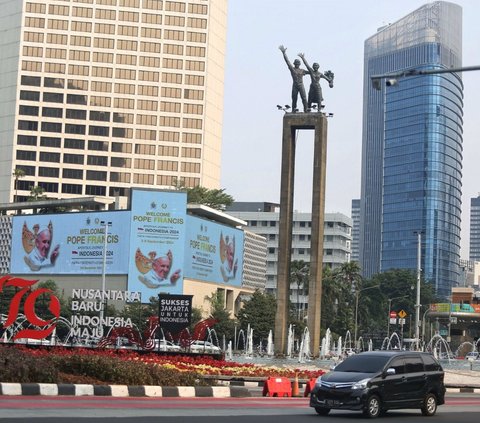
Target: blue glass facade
<point x="412" y="150"/>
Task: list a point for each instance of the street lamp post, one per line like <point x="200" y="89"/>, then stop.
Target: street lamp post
<point x="104" y="269"/>
<point x="417" y="303"/>
<point x="357" y="294"/>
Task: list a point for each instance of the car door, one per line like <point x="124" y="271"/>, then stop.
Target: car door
<point x="393" y="386"/>
<point x="416" y="377"/>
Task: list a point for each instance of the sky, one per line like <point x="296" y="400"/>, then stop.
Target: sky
<point x="332" y="33"/>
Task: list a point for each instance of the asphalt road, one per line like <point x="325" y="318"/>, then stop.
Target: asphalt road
<point x="460" y="408"/>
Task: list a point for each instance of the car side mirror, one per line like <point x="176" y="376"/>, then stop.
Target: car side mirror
<point x="389" y="371"/>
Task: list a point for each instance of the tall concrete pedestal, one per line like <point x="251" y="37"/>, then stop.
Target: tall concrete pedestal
<point x="293" y="122"/>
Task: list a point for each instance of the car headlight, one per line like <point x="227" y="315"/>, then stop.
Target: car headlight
<point x="318" y="382"/>
<point x="361" y="384"/>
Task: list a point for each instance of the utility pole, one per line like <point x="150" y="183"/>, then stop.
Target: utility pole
<point x="417" y="303"/>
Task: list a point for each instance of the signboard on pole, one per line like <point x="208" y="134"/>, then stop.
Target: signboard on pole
<point x="175" y="312"/>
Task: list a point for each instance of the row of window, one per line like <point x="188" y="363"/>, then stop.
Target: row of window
<point x="122" y="16"/>
<point x="163" y="151"/>
<point x="169" y="6"/>
<point x="101" y="190"/>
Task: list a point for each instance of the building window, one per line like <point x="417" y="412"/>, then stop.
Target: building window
<point x="34" y="81"/>
<point x="52" y="112"/>
<point x="51" y="142"/>
<point x="99" y="116"/>
<point x="26" y="155"/>
<point x="46" y="156"/>
<point x="28" y="125"/>
<point x="73" y="158"/>
<point x="28" y="110"/>
<point x="143" y="178"/>
<point x="101" y="131"/>
<point x="104" y="43"/>
<point x="71" y="189"/>
<point x="96" y="175"/>
<point x="97" y="145"/>
<point x="120" y="177"/>
<point x="26" y="140"/>
<point x="76" y="99"/>
<point x="121" y="162"/>
<point x="49" y="172"/>
<point x="152" y="33"/>
<point x="74" y="144"/>
<point x="53" y="97"/>
<point x="76" y="114"/>
<point x="49" y="186"/>
<point x="97" y="160"/>
<point x="29" y="95"/>
<point x="120" y="147"/>
<point x="95" y="190"/>
<point x="71" y="128"/>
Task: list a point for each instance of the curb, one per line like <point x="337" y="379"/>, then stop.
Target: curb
<point x="51" y="389"/>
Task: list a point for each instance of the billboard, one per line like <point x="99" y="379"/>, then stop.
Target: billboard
<point x="213" y="252"/>
<point x="157" y="239"/>
<point x="70" y="243"/>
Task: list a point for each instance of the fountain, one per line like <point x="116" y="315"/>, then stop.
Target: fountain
<point x="325" y="347"/>
<point x="270" y="344"/>
<point x="229" y="353"/>
<point x="241" y="335"/>
<point x="290" y="340"/>
<point x="304" y="352"/>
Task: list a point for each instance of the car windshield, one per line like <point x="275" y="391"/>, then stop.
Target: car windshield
<point x="362" y="364"/>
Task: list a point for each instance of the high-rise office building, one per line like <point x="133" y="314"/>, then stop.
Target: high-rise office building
<point x="474" y="254"/>
<point x="412" y="147"/>
<point x="97" y="96"/>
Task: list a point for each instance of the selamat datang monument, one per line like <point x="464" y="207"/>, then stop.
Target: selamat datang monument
<point x="312" y="118"/>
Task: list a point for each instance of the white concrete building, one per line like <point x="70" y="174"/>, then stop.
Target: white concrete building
<point x="97" y="96"/>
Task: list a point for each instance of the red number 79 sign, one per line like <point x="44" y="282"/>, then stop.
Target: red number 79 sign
<point x="43" y="329"/>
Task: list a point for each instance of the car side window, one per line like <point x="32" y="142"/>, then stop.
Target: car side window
<point x="399" y="365"/>
<point x="413" y="364"/>
<point x="430" y="364"/>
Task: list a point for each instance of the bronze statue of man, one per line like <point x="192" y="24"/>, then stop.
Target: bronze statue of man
<point x="297" y="76"/>
<point x="315" y="92"/>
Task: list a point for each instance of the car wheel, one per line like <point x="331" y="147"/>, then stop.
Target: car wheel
<point x="322" y="411"/>
<point x="373" y="407"/>
<point x="429" y="407"/>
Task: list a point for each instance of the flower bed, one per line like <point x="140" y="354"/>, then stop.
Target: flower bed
<point x="130" y="367"/>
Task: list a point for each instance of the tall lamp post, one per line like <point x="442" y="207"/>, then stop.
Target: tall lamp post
<point x="417" y="302"/>
<point x="104" y="269"/>
<point x="357" y="294"/>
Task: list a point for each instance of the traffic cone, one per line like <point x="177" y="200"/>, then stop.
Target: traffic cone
<point x="295" y="390"/>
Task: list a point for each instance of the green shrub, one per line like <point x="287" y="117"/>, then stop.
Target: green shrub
<point x="113" y="370"/>
<point x="17" y="366"/>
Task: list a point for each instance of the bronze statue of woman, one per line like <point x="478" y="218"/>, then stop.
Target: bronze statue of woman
<point x="315" y="92"/>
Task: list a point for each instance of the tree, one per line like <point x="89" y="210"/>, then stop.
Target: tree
<point x="17" y="174"/>
<point x="37" y="193"/>
<point x="299" y="275"/>
<point x="225" y="326"/>
<point x="214" y="198"/>
<point x="258" y="311"/>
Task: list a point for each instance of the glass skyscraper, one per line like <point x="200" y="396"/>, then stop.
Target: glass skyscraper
<point x="412" y="147"/>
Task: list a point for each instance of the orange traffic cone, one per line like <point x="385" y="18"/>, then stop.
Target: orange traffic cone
<point x="295" y="390"/>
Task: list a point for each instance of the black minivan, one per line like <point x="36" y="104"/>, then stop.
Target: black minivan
<point x="377" y="381"/>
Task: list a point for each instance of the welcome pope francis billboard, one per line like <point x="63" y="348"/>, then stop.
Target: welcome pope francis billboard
<point x="70" y="243"/>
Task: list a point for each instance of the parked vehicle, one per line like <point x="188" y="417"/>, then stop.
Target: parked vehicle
<point x="376" y="381"/>
<point x="473" y="355"/>
<point x="164" y="345"/>
<point x="204" y="347"/>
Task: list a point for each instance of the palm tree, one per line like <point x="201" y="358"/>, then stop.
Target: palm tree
<point x="17" y="174"/>
<point x="299" y="274"/>
<point x="36" y="193"/>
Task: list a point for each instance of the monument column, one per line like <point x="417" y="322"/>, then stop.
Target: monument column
<point x="293" y="122"/>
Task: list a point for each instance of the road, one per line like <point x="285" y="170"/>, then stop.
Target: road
<point x="35" y="409"/>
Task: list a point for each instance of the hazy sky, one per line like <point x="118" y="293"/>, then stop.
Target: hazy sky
<point x="332" y="33"/>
